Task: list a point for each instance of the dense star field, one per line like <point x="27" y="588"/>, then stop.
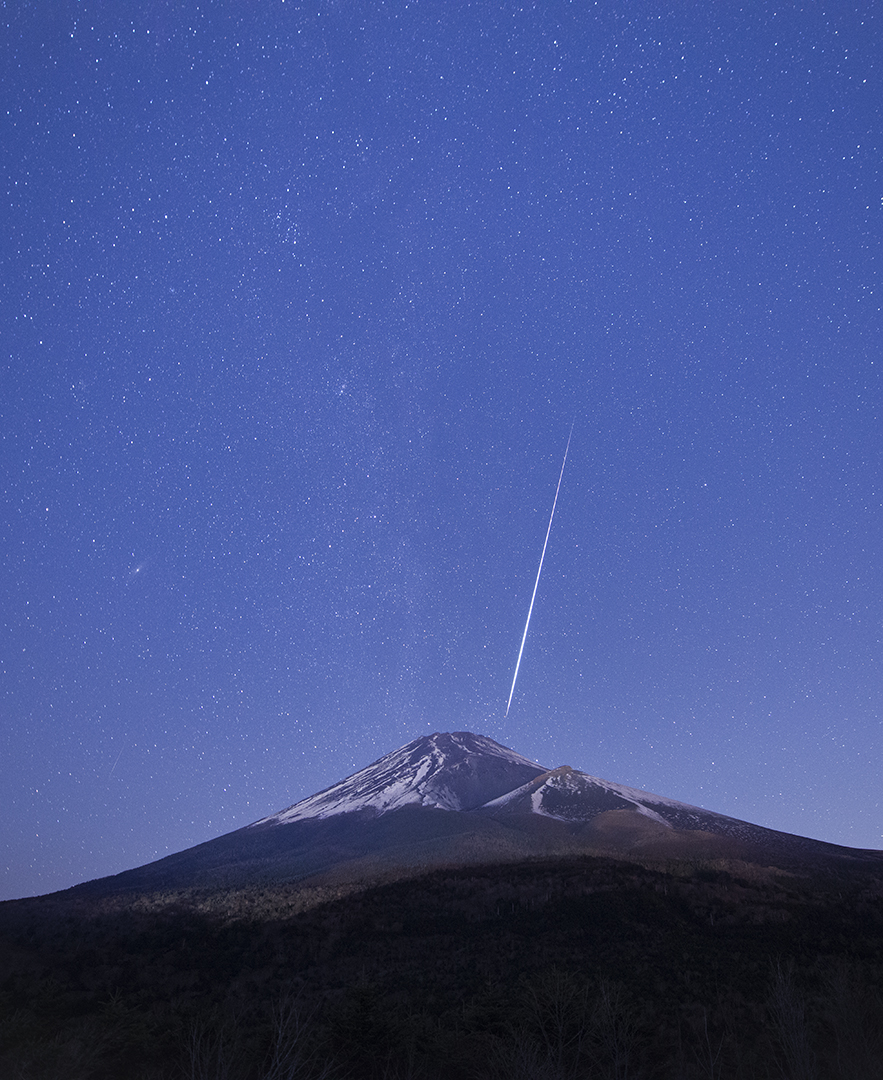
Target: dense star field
<point x="299" y="304"/>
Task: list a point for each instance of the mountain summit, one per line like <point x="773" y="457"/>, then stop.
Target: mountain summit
<point x="452" y="799"/>
<point x="457" y="771"/>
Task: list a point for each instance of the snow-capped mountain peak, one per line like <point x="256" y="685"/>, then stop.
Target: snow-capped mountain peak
<point x="447" y="771"/>
<point x="493" y="788"/>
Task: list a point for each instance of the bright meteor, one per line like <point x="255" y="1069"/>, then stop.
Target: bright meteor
<point x="539" y="571"/>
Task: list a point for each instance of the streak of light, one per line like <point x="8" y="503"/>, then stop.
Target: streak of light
<point x="539" y="571"/>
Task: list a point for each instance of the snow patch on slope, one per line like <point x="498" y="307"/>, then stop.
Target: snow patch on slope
<point x="568" y="794"/>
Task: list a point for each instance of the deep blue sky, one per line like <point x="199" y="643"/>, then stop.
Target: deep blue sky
<point x="299" y="302"/>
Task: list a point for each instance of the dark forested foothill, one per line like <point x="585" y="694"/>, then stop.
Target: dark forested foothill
<point x="584" y="967"/>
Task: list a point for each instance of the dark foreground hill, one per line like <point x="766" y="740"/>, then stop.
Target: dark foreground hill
<point x="575" y="967"/>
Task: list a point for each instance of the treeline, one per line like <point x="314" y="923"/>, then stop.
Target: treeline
<point x="582" y="968"/>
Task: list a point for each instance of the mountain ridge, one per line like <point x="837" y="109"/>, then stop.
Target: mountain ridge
<point x="458" y="799"/>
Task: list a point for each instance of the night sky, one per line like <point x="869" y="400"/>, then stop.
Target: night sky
<point x="299" y="304"/>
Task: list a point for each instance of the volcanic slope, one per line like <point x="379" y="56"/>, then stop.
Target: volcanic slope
<point x="452" y="799"/>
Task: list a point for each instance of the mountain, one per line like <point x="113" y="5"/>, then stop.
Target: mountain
<point x="454" y="799"/>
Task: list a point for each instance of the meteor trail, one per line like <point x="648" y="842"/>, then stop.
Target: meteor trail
<point x="539" y="571"/>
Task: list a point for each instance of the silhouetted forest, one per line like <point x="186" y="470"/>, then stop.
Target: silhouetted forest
<point x="577" y="968"/>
